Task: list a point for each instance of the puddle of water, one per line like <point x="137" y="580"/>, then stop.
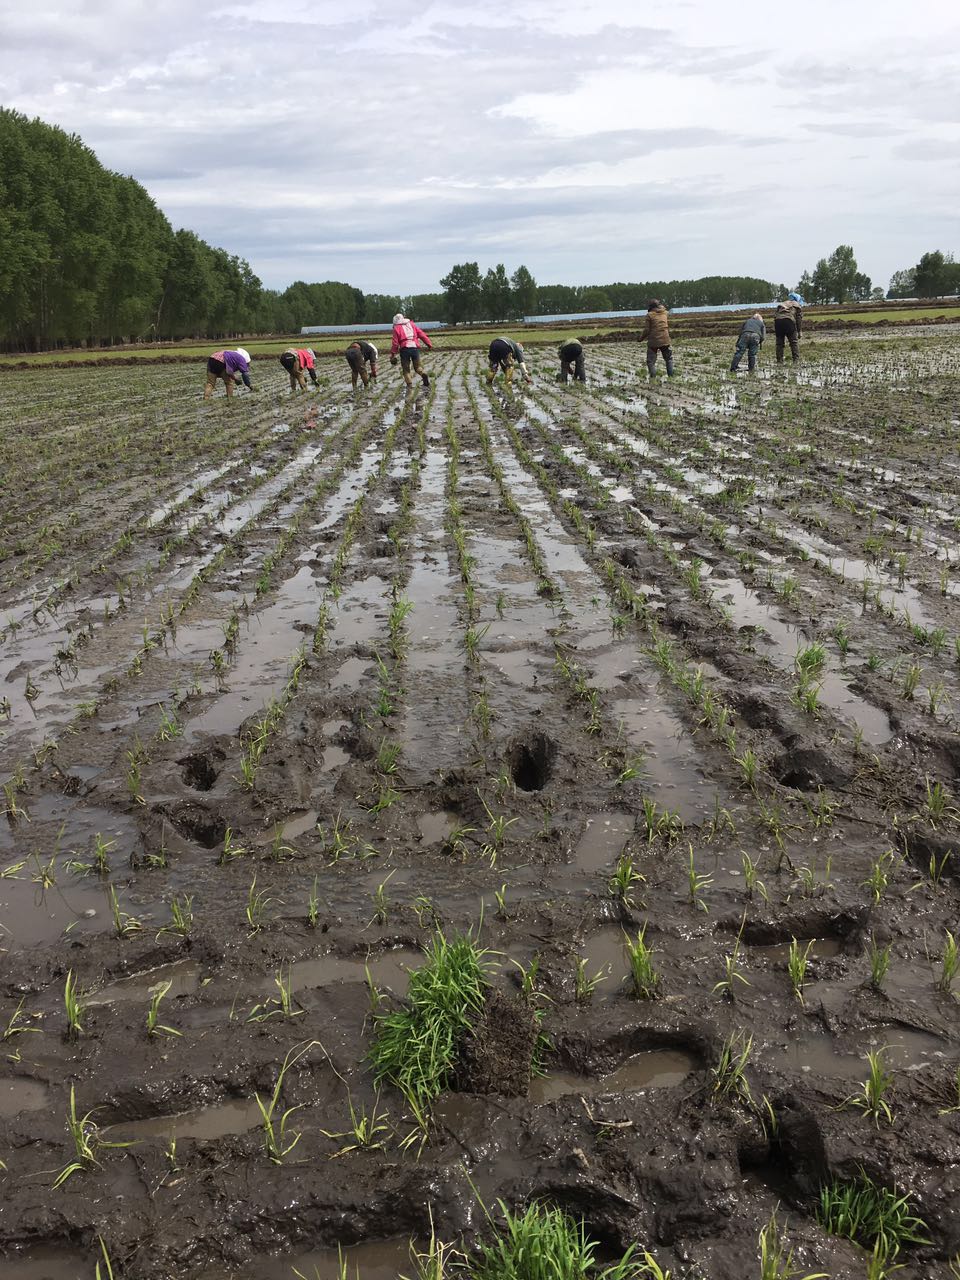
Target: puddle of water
<point x="821" y="1055"/>
<point x="651" y="1069"/>
<point x="47" y="1263"/>
<point x="435" y="827"/>
<point x="20" y="1094"/>
<point x="603" y="837"/>
<point x="297" y="824"/>
<point x="183" y="976"/>
<point x="334" y="757"/>
<point x="779" y="952"/>
<point x="350" y="673"/>
<point x="387" y="969"/>
<point x="380" y="1260"/>
<point x="223" y="1120"/>
<point x="672" y="768"/>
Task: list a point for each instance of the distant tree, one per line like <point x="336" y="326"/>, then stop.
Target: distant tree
<point x="495" y="297"/>
<point x="876" y="294"/>
<point x="903" y="284"/>
<point x="462" y="288"/>
<point x="380" y="308"/>
<point x="834" y="279"/>
<point x="861" y="287"/>
<point x="593" y="298"/>
<point x="936" y="274"/>
<point x="425" y="306"/>
<point x="524" y="293"/>
<point x="804" y="288"/>
<point x="556" y="299"/>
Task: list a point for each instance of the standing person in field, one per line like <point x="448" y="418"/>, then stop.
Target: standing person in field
<point x="657" y="335"/>
<point x="228" y="365"/>
<point x="295" y="361"/>
<point x="571" y="361"/>
<point x="506" y="354"/>
<point x="752" y="333"/>
<point x="407" y="337"/>
<point x="787" y="322"/>
<point x="359" y="354"/>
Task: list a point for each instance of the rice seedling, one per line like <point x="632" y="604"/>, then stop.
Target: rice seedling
<point x="797" y="961"/>
<point x="364" y="1129"/>
<point x="643" y="973"/>
<point x="124" y="924"/>
<point x="415" y="1047"/>
<point x="872" y="1099"/>
<point x="501" y="899"/>
<point x="45" y="873"/>
<point x="87" y="1144"/>
<point x="546" y="1242"/>
<point x="279" y="1006"/>
<point x="278" y="1140"/>
<point x="230" y="849"/>
<point x="912" y="679"/>
<point x="181" y="916"/>
<point x="313" y="906"/>
<point x="583" y="984"/>
<point x="879" y="963"/>
<point x="751" y="877"/>
<point x="625" y="877"/>
<point x="632" y="769"/>
<point x="879" y="878"/>
<point x="388" y="756"/>
<point x="471" y="641"/>
<point x="697" y="884"/>
<point x="381" y="904"/>
<point x="154" y="1026"/>
<point x="776" y="1259"/>
<point x="729" y="1075"/>
<point x="732" y="975"/>
<point x="949" y="963"/>
<point x="873" y="1216"/>
<point x="256" y="910"/>
<point x="748" y="764"/>
<point x="810" y="661"/>
<point x="75" y="1005"/>
<point x="107" y="1272"/>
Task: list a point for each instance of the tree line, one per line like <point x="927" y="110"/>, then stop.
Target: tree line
<point x="936" y="275"/>
<point x="470" y="295"/>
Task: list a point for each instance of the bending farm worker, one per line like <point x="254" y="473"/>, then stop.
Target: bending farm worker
<point x="571" y="361"/>
<point x="358" y="355"/>
<point x="228" y="365"/>
<point x="657" y="335"/>
<point x="407" y="337"/>
<point x="752" y="333"/>
<point x="787" y="322"/>
<point x="295" y="360"/>
<point x="506" y="354"/>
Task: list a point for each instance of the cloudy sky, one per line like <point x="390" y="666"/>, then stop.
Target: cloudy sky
<point x="380" y="143"/>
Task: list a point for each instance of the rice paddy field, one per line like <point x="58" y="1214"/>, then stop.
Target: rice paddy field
<point x="483" y="819"/>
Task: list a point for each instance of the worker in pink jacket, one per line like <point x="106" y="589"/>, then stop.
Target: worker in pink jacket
<point x="295" y="361"/>
<point x="407" y="337"/>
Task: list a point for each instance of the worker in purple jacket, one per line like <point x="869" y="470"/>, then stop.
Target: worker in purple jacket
<point x="228" y="365"/>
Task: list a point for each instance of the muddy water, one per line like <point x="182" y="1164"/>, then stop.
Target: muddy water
<point x="434" y="729"/>
<point x="827" y="1058"/>
<point x="603" y="838"/>
<point x="19" y="1095"/>
<point x="651" y="1069"/>
<point x="225" y="1119"/>
<point x="48" y="1263"/>
<point x="378" y="1260"/>
<point x="184" y="977"/>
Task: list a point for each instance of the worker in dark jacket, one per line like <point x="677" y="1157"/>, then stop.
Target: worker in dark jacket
<point x="752" y="334"/>
<point x="787" y="322"/>
<point x="657" y="335"/>
<point x="506" y="354"/>
<point x="571" y="361"/>
<point x="360" y="354"/>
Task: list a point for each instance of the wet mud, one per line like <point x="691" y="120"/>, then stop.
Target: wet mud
<point x="557" y="667"/>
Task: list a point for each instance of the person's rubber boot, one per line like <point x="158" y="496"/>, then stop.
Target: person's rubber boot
<point x="490" y="376"/>
<point x="508" y="376"/>
<point x="425" y="378"/>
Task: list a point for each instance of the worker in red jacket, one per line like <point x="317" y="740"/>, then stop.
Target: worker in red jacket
<point x="407" y="338"/>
